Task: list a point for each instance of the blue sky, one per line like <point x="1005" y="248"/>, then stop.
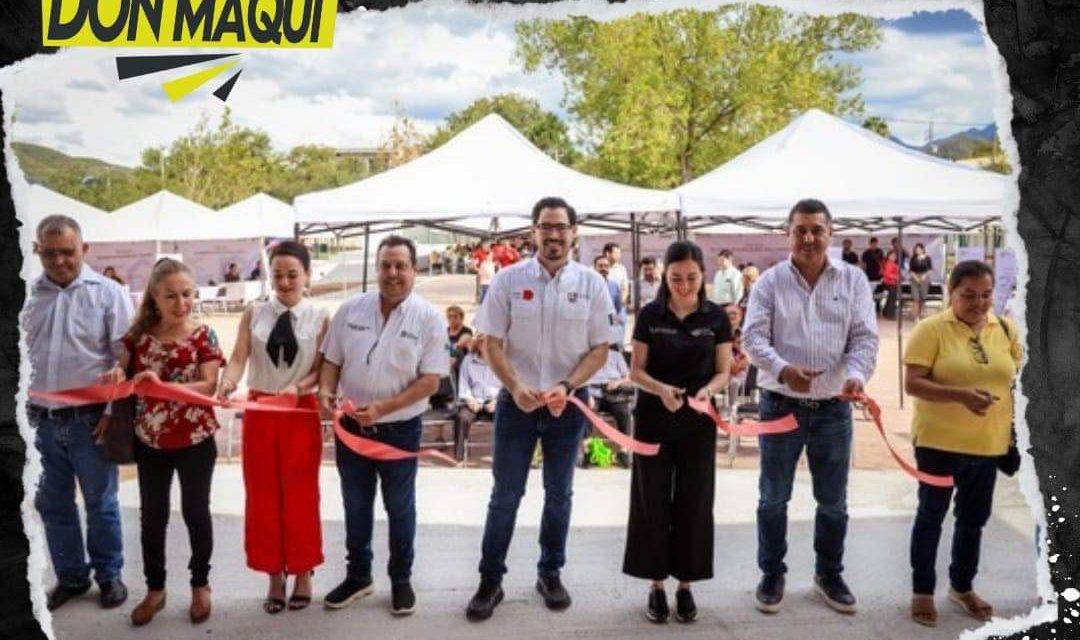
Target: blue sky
<point x="430" y="60"/>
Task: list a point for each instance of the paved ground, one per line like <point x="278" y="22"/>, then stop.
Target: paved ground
<point x="606" y="603"/>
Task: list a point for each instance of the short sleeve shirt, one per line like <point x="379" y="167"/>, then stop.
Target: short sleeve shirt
<point x="682" y="353"/>
<point x="165" y="424"/>
<point x="873" y="259"/>
<point x="547" y="324"/>
<point x="381" y="358"/>
<point x="947" y="346"/>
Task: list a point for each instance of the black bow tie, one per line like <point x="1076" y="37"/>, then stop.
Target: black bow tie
<point x="282" y="338"/>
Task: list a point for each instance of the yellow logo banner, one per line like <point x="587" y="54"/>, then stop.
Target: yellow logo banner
<point x="188" y="23"/>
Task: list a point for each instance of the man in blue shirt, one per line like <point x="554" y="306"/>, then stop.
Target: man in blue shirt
<point x="74" y="321"/>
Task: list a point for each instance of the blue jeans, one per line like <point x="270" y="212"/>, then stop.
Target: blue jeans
<point x="516" y="433"/>
<point x="68" y="453"/>
<point x="974" y="477"/>
<point x="359" y="476"/>
<point x="825" y="432"/>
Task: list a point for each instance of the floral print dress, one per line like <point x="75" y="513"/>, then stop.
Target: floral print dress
<point x="165" y="424"/>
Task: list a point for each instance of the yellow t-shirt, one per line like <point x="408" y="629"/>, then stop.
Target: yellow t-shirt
<point x="945" y="344"/>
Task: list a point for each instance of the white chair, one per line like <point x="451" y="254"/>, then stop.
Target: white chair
<point x="210" y="298"/>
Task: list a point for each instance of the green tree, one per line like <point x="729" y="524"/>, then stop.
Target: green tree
<point x="878" y="126"/>
<point x="404" y="141"/>
<point x="215" y="165"/>
<point x="542" y="128"/>
<point x="314" y="167"/>
<point x="663" y="98"/>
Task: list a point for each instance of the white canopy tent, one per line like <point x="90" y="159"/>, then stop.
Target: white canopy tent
<point x="867" y="181"/>
<point x="46" y="202"/>
<point x="489" y="170"/>
<point x="263" y="215"/>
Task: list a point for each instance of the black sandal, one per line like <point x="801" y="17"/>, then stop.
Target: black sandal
<point x="299" y="601"/>
<point x="275" y="605"/>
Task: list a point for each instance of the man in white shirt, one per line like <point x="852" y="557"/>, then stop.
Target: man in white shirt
<point x="649" y="281"/>
<point x="478" y="387"/>
<point x="74" y="322"/>
<point x="385" y="352"/>
<point x="728" y="281"/>
<point x="618" y="273"/>
<point x="811" y="331"/>
<point x="546" y="323"/>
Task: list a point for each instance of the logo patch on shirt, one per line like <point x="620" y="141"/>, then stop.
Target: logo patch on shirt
<point x="572" y="296"/>
<point x="705" y="331"/>
<point x="406" y="334"/>
<point x="668" y="331"/>
<point x="527" y="294"/>
<point x="357" y="327"/>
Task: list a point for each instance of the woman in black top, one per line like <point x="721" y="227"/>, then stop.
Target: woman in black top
<point x="682" y="349"/>
<point x="920" y="272"/>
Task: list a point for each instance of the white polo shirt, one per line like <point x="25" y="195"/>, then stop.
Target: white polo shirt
<point x="380" y="359"/>
<point x="547" y="324"/>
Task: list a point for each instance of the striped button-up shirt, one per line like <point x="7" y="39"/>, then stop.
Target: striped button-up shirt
<point x="831" y="327"/>
<point x="74" y="332"/>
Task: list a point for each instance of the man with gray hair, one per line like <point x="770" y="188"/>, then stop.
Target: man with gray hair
<point x="74" y="321"/>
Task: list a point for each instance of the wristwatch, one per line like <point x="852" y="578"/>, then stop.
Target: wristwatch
<point x="569" y="387"/>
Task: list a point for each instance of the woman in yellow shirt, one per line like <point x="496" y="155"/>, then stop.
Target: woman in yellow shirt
<point x="959" y="365"/>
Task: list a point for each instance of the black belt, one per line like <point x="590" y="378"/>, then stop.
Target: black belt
<point x="806" y="403"/>
<point x="64" y="413"/>
<point x="352" y="425"/>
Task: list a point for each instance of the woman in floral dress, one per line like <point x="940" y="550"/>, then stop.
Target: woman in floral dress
<point x="173" y="438"/>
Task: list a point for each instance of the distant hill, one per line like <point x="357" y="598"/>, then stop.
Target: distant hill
<point x="965" y="144"/>
<point x="96" y="182"/>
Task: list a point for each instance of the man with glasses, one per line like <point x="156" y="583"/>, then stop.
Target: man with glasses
<point x="812" y="333"/>
<point x="385" y="352"/>
<point x="74" y="321"/>
<point x="546" y="324"/>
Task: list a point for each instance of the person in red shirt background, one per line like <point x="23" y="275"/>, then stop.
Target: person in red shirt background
<point x="891" y="281"/>
<point x="505" y="255"/>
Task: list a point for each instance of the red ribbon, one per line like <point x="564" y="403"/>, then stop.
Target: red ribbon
<point x="747" y="428"/>
<point x="944" y="482"/>
<point x="373" y="449"/>
<point x="102" y="393"/>
<point x="618" y="437"/>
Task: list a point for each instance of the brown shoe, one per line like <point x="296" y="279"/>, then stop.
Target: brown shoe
<point x="923" y="610"/>
<point x="200" y="604"/>
<point x="972" y="604"/>
<point x="145" y="611"/>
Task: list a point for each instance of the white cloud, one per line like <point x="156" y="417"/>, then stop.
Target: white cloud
<point x="432" y="59"/>
<point x="943" y="77"/>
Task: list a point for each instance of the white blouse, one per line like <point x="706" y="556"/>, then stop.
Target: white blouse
<point x="307" y="320"/>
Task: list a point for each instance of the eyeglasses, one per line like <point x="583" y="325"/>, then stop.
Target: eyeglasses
<point x="978" y="351"/>
<point x="548" y="227"/>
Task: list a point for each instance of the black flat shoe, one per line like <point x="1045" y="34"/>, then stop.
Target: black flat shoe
<point x="685" y="609"/>
<point x="657" y="610"/>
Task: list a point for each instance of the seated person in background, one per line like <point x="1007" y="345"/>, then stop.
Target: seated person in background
<point x="735" y="315"/>
<point x="457" y="345"/>
<point x="611" y="390"/>
<point x="232" y="274"/>
<point x="478" y="387"/>
<point x="740" y="364"/>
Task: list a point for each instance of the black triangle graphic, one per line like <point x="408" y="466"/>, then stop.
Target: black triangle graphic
<point x="134" y="66"/>
<point x="224" y="90"/>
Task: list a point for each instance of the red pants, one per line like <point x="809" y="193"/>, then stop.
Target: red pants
<point x="281" y="457"/>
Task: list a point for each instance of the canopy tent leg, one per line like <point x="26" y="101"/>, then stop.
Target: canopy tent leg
<point x="367" y="242"/>
<point x="900" y="311"/>
<point x="635" y="261"/>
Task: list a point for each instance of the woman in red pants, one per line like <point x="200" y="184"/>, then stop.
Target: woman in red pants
<point x="282" y="451"/>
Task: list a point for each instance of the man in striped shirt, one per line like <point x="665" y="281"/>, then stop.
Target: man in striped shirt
<point x="811" y="331"/>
